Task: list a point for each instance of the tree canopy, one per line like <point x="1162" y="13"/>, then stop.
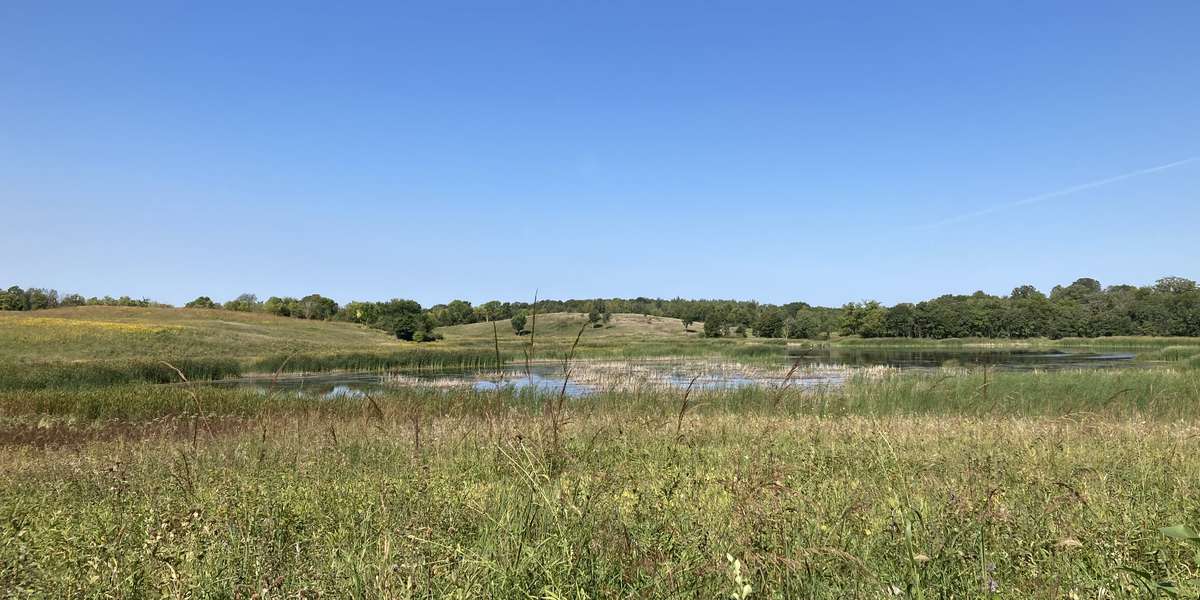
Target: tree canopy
<point x="1083" y="308"/>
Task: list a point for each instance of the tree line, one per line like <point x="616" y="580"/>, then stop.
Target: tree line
<point x="1170" y="307"/>
<point x="1084" y="308"/>
<point x="15" y="298"/>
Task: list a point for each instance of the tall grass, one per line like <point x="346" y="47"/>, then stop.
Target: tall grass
<point x="1172" y="353"/>
<point x="417" y="359"/>
<point x="1155" y="394"/>
<point x="315" y="504"/>
<point x="99" y="373"/>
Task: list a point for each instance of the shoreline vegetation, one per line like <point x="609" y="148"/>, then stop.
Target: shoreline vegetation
<point x="98" y="346"/>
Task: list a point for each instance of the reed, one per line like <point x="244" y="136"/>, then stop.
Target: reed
<point x="327" y="504"/>
<point x="422" y="359"/>
<point x="98" y="373"/>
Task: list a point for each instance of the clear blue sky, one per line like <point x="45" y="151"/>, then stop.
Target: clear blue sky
<point x="823" y="152"/>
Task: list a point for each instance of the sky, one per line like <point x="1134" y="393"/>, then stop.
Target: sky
<point x="820" y="152"/>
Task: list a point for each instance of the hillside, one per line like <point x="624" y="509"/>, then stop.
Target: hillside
<point x="107" y="332"/>
<point x="556" y="326"/>
<point x="91" y="332"/>
<point x="625" y="335"/>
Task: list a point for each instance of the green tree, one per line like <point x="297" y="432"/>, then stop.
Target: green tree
<point x="459" y="312"/>
<point x="201" y="302"/>
<point x="769" y="324"/>
<point x="867" y="319"/>
<point x="283" y="307"/>
<point x="13" y="299"/>
<point x="1174" y="285"/>
<point x="518" y="323"/>
<point x="316" y="306"/>
<point x="40" y="299"/>
<point x="714" y="326"/>
<point x="1025" y="292"/>
<point x="359" y="312"/>
<point x="802" y="326"/>
<point x="72" y="300"/>
<point x="493" y="310"/>
<point x="243" y="303"/>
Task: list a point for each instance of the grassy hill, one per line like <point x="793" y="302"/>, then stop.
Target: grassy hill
<point x="625" y="335"/>
<point x="91" y="333"/>
<point x="109" y="332"/>
<point x="557" y="327"/>
<point x="105" y="345"/>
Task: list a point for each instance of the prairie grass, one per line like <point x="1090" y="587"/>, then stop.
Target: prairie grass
<point x="1172" y="353"/>
<point x="1162" y="394"/>
<point x="309" y="503"/>
<point x="431" y="359"/>
<point x="99" y="373"/>
<point x="947" y="483"/>
<point x="110" y="332"/>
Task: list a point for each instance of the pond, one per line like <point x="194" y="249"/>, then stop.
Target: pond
<point x="814" y="367"/>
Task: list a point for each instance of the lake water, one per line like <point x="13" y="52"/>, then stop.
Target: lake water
<point x="817" y="366"/>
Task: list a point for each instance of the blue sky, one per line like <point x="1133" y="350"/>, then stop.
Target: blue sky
<point x="823" y="152"/>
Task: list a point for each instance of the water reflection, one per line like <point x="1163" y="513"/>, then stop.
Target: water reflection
<point x="817" y="367"/>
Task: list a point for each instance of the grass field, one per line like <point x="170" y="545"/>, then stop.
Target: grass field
<point x="898" y="487"/>
<point x="108" y="332"/>
<point x="951" y="483"/>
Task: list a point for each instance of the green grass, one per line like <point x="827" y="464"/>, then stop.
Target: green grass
<point x="940" y="484"/>
<point x="459" y="494"/>
<point x="109" y="332"/>
<point x="26" y="376"/>
<point x="1172" y="353"/>
<point x="1161" y="394"/>
<point x="432" y="359"/>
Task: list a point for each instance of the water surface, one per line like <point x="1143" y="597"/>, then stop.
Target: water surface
<point x="818" y="366"/>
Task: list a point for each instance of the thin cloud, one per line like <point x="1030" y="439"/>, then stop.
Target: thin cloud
<point x="1059" y="193"/>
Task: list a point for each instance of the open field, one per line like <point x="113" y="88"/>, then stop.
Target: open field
<point x="109" y="332"/>
<point x="951" y="482"/>
<point x="1019" y="486"/>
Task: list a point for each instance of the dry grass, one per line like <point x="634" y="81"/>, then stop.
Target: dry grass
<point x="109" y="332"/>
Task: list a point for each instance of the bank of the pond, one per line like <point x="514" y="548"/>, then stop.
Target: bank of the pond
<point x="1158" y="394"/>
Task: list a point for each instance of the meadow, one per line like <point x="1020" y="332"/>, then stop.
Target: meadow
<point x="947" y="483"/>
<point x="104" y="345"/>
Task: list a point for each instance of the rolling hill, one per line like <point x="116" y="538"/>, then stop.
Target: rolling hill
<point x="109" y="332"/>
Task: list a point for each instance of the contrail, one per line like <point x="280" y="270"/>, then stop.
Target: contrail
<point x="1063" y="192"/>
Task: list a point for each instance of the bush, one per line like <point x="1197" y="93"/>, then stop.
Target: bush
<point x="201" y="302"/>
<point x="713" y="327"/>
